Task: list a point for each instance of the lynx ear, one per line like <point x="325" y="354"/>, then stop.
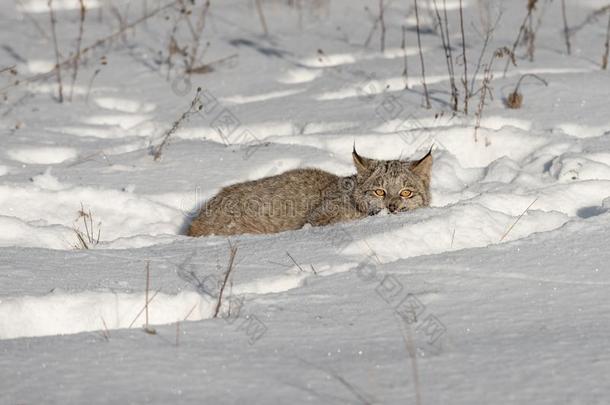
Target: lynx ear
<point x="423" y="167"/>
<point x="362" y="164"/>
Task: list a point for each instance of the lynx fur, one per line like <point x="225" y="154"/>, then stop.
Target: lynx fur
<point x="292" y="199"/>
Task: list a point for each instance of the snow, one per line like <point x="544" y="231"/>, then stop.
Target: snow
<point x="494" y="294"/>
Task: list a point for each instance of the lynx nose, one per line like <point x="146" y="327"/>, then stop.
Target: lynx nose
<point x="392" y="207"/>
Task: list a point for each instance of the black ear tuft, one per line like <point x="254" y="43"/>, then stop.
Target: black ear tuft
<point x="362" y="164"/>
<point x="423" y="167"/>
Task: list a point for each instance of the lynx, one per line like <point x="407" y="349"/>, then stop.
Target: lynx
<point x="297" y="197"/>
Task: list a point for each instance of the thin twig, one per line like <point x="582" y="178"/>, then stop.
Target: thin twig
<point x="261" y="16"/>
<point x="373" y="28"/>
<point x="566" y="30"/>
<point x="5" y="69"/>
<point x="93" y="76"/>
<point x="465" y="80"/>
<point x="522" y="29"/>
<point x="143" y="308"/>
<point x="448" y="54"/>
<point x="194" y="107"/>
<point x="590" y="19"/>
<point x="106" y="333"/>
<point x="89" y="48"/>
<point x="361" y="397"/>
<point x="148" y="329"/>
<point x="517" y="220"/>
<point x="410" y="346"/>
<point x="197" y="35"/>
<point x="488" y="34"/>
<point x="295" y="262"/>
<point x="190" y="312"/>
<point x="486" y="87"/>
<point x="33" y="20"/>
<point x="56" y="46"/>
<point x="232" y="252"/>
<point x="79" y="41"/>
<point x="531" y="33"/>
<point x="382" y="23"/>
<point x="607" y="46"/>
<point x="421" y="59"/>
<point x="535" y="76"/>
<point x="403" y="46"/>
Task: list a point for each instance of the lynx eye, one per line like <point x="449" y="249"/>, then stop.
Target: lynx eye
<point x="379" y="192"/>
<point x="406" y="193"/>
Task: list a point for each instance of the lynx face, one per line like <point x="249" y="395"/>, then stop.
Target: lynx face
<point x="393" y="184"/>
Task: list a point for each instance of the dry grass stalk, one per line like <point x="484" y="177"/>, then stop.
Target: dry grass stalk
<point x="8" y="68"/>
<point x="403" y="46"/>
<point x="40" y="30"/>
<point x="607" y="46"/>
<point x="193" y="108"/>
<point x="591" y="18"/>
<point x="465" y="62"/>
<point x="566" y="31"/>
<point x="232" y="253"/>
<point x="79" y="41"/>
<point x="114" y="10"/>
<point x="486" y="87"/>
<point x="103" y="62"/>
<point x="375" y="25"/>
<point x="421" y="59"/>
<point x="383" y="28"/>
<point x="541" y="14"/>
<point x="106" y="332"/>
<point x="444" y="27"/>
<point x="173" y="48"/>
<point x="147" y="328"/>
<point x="295" y="262"/>
<point x="488" y="34"/>
<point x="56" y="46"/>
<point x="530" y="8"/>
<point x="261" y="17"/>
<point x="190" y="312"/>
<point x="412" y="352"/>
<point x="89" y="237"/>
<point x="197" y="32"/>
<point x="96" y="44"/>
<point x="299" y="266"/>
<point x="530" y="32"/>
<point x="515" y="99"/>
<point x="142" y="309"/>
<point x="517" y="220"/>
<point x="359" y="396"/>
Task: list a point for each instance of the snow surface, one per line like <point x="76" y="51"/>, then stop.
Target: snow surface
<point x="495" y="294"/>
